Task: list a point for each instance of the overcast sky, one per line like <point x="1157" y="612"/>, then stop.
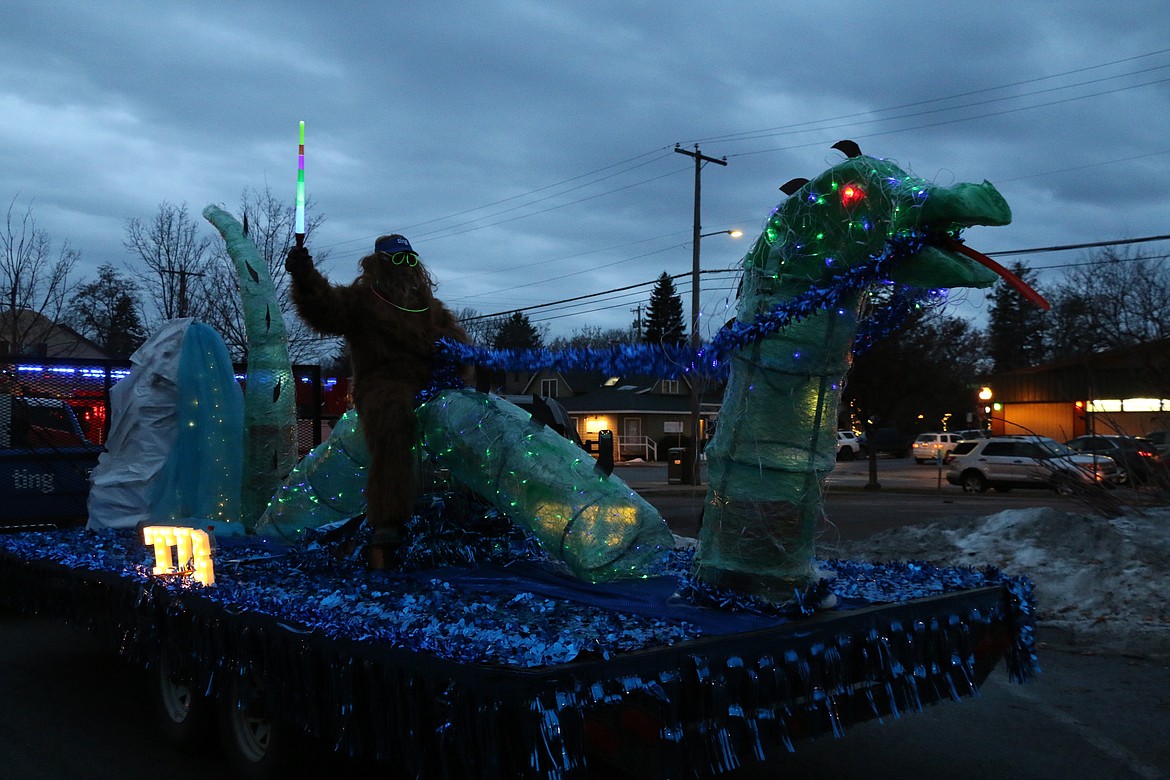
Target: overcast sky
<point x="526" y="147"/>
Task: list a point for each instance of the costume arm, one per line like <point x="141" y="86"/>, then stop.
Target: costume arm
<point x="322" y="305"/>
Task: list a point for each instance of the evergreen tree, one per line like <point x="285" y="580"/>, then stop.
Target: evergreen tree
<point x="664" y="318"/>
<point x="1015" y="326"/>
<point x="106" y="312"/>
<point x="517" y="332"/>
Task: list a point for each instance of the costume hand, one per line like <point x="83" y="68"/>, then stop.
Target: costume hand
<point x="298" y="259"/>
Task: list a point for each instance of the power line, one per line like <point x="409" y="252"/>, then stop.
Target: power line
<point x="945" y="122"/>
<point x="784" y="130"/>
<point x="757" y="133"/>
<point x="688" y="274"/>
<point x="534" y="307"/>
<point x="1090" y="245"/>
<point x="972" y="104"/>
<point x="641" y="160"/>
<point x="626" y="162"/>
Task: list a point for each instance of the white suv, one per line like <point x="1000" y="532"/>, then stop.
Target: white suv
<point x="848" y="446"/>
<point x="930" y="447"/>
<point x="1005" y="462"/>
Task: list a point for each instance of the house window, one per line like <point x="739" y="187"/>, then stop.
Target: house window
<point x="548" y="388"/>
<point x="670" y="386"/>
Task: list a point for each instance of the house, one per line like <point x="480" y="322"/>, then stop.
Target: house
<point x="31" y="334"/>
<point x="1124" y="391"/>
<point x="647" y="415"/>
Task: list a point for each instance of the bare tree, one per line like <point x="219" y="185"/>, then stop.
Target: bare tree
<point x="594" y="337"/>
<point x="35" y="282"/>
<point x="270" y="223"/>
<point x="480" y="329"/>
<point x="1115" y="300"/>
<point x="175" y="253"/>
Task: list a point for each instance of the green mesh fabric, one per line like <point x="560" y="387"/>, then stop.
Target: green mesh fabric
<point x="774" y="443"/>
<point x="327" y="486"/>
<point x="596" y="525"/>
<point x="270" y="447"/>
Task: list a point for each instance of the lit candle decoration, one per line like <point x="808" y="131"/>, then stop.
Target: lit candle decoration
<point x="300" y="223"/>
<point x="180" y="551"/>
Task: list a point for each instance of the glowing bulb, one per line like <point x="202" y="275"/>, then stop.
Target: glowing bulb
<point x="851" y="194"/>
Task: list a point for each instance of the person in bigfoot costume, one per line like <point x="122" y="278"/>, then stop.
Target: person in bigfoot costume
<point x="391" y="320"/>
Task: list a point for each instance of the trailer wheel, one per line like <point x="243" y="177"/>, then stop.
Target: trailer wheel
<point x="257" y="747"/>
<point x="186" y="717"/>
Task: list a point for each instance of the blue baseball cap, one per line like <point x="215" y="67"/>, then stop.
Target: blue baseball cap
<point x="393" y="244"/>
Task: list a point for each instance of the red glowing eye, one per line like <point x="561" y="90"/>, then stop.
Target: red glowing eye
<point x="851" y="194"/>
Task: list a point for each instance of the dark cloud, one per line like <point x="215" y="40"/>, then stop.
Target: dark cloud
<point x="526" y="147"/>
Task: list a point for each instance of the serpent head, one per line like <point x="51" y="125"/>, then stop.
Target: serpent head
<point x="853" y="213"/>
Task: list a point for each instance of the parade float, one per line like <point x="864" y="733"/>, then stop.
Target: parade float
<point x="541" y="621"/>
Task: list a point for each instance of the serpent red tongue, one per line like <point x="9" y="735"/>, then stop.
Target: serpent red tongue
<point x="1015" y="281"/>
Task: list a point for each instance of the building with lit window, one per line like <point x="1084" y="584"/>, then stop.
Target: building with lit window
<point x="1121" y="391"/>
<point x="647" y="415"/>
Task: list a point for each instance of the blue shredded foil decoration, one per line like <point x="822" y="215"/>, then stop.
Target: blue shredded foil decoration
<point x="427" y="604"/>
<point x="643" y="677"/>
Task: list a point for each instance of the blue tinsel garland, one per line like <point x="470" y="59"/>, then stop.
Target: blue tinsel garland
<point x="711" y="360"/>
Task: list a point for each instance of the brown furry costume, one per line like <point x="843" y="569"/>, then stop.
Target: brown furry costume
<point x="391" y="321"/>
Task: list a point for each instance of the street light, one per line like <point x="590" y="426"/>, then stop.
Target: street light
<point x="696" y="342"/>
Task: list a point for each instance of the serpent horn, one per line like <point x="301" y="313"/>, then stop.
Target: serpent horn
<point x="848" y="148"/>
<point x="792" y="185"/>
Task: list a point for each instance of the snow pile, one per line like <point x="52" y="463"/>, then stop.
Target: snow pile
<point x="1104" y="582"/>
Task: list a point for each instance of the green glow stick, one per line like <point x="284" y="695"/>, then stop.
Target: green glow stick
<point x="300" y="223"/>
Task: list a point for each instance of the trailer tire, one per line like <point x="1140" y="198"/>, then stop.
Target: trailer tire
<point x="256" y="746"/>
<point x="185" y="716"/>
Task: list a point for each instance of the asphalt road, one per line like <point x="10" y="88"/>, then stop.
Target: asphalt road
<point x="908" y="494"/>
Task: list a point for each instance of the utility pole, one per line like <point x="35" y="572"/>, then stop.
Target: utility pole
<point x="637" y="310"/>
<point x="700" y="158"/>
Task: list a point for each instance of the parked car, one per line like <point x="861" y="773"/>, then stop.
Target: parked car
<point x="848" y="445"/>
<point x="930" y="447"/>
<point x="43" y="422"/>
<point x="888" y="441"/>
<point x="1160" y="439"/>
<point x="1139" y="457"/>
<point x="1006" y="462"/>
<point x="974" y="433"/>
